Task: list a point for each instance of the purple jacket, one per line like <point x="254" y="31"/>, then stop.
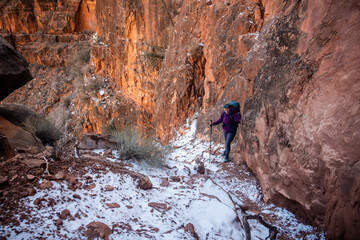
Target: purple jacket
<point x="230" y="121"/>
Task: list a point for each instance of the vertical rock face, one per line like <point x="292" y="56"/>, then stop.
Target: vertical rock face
<point x="301" y="124"/>
<point x="14" y="70"/>
<point x="43" y="30"/>
<point x="204" y="60"/>
<point x="130" y="46"/>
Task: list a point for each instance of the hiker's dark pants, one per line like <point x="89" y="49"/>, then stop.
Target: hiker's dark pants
<point x="228" y="139"/>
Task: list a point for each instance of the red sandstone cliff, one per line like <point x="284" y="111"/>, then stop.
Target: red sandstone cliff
<point x="291" y="64"/>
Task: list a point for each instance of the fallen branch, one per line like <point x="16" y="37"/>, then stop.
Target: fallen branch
<point x="272" y="230"/>
<point x="235" y="204"/>
<point x="244" y="223"/>
<point x="188" y="170"/>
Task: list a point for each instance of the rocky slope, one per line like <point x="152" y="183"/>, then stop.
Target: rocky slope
<point x="291" y="65"/>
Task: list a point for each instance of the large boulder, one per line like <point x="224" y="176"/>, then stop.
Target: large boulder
<point x="18" y="138"/>
<point x="26" y="118"/>
<point x="96" y="141"/>
<point x="14" y="71"/>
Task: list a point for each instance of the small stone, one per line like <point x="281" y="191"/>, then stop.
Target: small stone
<point x="112" y="205"/>
<point x="175" y="178"/>
<point x="65" y="214"/>
<point x="98" y="230"/>
<point x="144" y="183"/>
<point x="30" y="177"/>
<point x="34" y="163"/>
<point x="162" y="207"/>
<point x="31" y="191"/>
<point x="46" y="184"/>
<point x="60" y="175"/>
<point x="77" y="196"/>
<point x="164" y="182"/>
<point x="191" y="229"/>
<point x="108" y="153"/>
<point x="3" y="180"/>
<point x="59" y="222"/>
<point x="13" y="178"/>
<point x="109" y="188"/>
<point x="91" y="186"/>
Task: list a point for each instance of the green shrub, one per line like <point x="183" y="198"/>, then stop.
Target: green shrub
<point x="43" y="129"/>
<point x="132" y="144"/>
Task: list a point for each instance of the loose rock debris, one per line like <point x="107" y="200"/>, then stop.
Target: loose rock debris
<point x="110" y="199"/>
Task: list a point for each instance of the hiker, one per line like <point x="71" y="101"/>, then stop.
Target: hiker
<point x="230" y="119"/>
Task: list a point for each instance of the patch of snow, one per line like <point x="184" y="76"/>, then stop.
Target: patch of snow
<point x="206" y="202"/>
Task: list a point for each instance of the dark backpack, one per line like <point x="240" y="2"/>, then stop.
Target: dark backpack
<point x="235" y="106"/>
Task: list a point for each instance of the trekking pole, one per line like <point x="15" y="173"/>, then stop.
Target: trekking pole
<point x="210" y="140"/>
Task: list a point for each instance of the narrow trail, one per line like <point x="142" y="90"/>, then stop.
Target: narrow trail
<point x="182" y="204"/>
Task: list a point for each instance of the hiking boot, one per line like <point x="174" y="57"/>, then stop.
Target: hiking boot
<point x="223" y="154"/>
<point x="226" y="159"/>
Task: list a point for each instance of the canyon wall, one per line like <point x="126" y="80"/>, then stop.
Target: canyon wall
<point x="294" y="73"/>
<point x="291" y="65"/>
<point x="301" y="124"/>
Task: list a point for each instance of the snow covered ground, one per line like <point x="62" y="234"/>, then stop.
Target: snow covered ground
<point x="189" y="198"/>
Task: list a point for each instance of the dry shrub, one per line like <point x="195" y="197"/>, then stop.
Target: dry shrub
<point x="43" y="129"/>
<point x="131" y="144"/>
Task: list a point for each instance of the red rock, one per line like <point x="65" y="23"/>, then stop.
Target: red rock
<point x="59" y="222"/>
<point x="30" y="177"/>
<point x="6" y="151"/>
<point x="97" y="230"/>
<point x="31" y="191"/>
<point x="77" y="196"/>
<point x="91" y="186"/>
<point x="109" y="188"/>
<point x="45" y="184"/>
<point x="164" y="182"/>
<point x="162" y="207"/>
<point x="112" y="205"/>
<point x="60" y="175"/>
<point x="3" y="180"/>
<point x="18" y="137"/>
<point x="95" y="141"/>
<point x="13" y="178"/>
<point x="66" y="214"/>
<point x="191" y="229"/>
<point x="175" y="178"/>
<point x="34" y="163"/>
<point x="108" y="153"/>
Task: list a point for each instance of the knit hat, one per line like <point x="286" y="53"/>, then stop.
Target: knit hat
<point x="226" y="106"/>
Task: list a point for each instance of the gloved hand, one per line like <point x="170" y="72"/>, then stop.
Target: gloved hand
<point x="211" y="124"/>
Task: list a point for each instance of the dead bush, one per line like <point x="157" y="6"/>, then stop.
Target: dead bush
<point x="131" y="144"/>
<point x="43" y="129"/>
